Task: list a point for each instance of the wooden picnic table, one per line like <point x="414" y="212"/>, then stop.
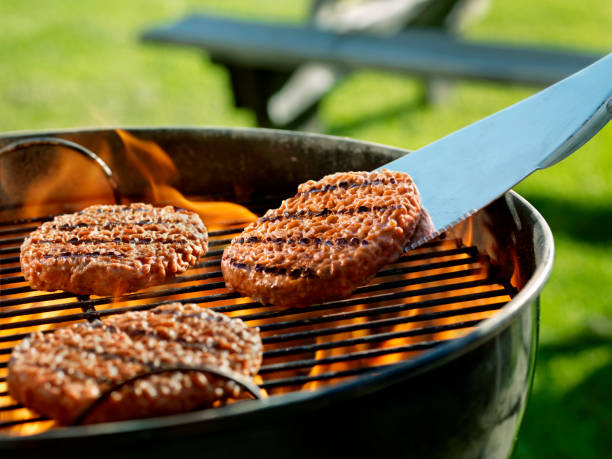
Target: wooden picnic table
<point x="262" y="55"/>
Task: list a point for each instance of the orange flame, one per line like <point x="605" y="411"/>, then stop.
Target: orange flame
<point x="68" y="179"/>
<point x="159" y="170"/>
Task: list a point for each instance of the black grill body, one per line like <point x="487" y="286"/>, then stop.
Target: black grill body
<point x="463" y="397"/>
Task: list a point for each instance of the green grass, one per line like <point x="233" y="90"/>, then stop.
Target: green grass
<point x="74" y="63"/>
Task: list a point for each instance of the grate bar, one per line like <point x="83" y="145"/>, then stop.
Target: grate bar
<point x="208" y="264"/>
<point x="107" y="300"/>
<point x="16" y="290"/>
<point x="384" y="322"/>
<point x="225" y="232"/>
<point x="16" y="422"/>
<point x="300" y="380"/>
<point x="367" y="300"/>
<point x="179" y="280"/>
<point x="12" y="240"/>
<point x="238" y="307"/>
<point x="25" y="221"/>
<point x="15" y="337"/>
<point x="306" y="348"/>
<point x="215" y="297"/>
<point x="416" y="255"/>
<point x="23" y="229"/>
<point x="11" y="270"/>
<point x="11" y="280"/>
<point x="218" y="242"/>
<point x="35" y="299"/>
<point x="9" y="260"/>
<point x="427" y="267"/>
<point x="213" y="253"/>
<point x="10" y="407"/>
<point x="381" y="310"/>
<point x="417" y="280"/>
<point x="371" y="353"/>
<point x="9" y="250"/>
<point x="419" y="256"/>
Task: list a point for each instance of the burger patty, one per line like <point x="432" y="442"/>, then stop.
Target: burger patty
<point x="60" y="374"/>
<point x="331" y="237"/>
<point x="113" y="249"/>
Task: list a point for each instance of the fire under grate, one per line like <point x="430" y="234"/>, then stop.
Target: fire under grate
<point x="428" y="297"/>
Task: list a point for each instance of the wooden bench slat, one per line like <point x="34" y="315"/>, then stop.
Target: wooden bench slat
<point x="418" y="52"/>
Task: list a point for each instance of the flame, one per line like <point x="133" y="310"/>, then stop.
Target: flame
<point x="159" y="170"/>
<point x="67" y="178"/>
<point x="60" y="181"/>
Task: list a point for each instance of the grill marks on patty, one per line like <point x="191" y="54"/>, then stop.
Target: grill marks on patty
<point x="136" y="240"/>
<point x="108" y="225"/>
<point x="341" y="242"/>
<point x="108" y="250"/>
<point x="295" y="272"/>
<point x="347" y="184"/>
<point x="331" y="237"/>
<point x="61" y="373"/>
<point x="277" y="215"/>
<point x="128" y="230"/>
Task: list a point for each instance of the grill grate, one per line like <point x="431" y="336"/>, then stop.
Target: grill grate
<point x="429" y="296"/>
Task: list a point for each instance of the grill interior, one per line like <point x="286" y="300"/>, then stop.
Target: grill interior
<point x="431" y="295"/>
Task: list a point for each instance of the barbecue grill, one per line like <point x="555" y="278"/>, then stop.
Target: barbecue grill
<point x="433" y="358"/>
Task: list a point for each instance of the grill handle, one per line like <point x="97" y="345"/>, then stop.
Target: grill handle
<point x="53" y="141"/>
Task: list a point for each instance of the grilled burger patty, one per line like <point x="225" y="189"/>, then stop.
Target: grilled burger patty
<point x="60" y="374"/>
<point x="113" y="249"/>
<point x="331" y="237"/>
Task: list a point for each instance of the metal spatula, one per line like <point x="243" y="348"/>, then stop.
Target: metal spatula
<point x="466" y="170"/>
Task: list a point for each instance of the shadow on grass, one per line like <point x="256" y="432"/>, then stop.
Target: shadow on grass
<point x="573" y="424"/>
<point x="584" y="221"/>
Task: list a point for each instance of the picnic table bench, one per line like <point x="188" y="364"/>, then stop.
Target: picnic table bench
<point x="263" y="56"/>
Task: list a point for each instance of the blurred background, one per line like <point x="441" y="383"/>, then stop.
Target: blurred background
<point x="74" y="64"/>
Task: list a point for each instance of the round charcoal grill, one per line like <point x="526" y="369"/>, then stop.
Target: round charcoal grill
<point x="433" y="358"/>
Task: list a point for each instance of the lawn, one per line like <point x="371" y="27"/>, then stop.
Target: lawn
<point x="75" y="63"/>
